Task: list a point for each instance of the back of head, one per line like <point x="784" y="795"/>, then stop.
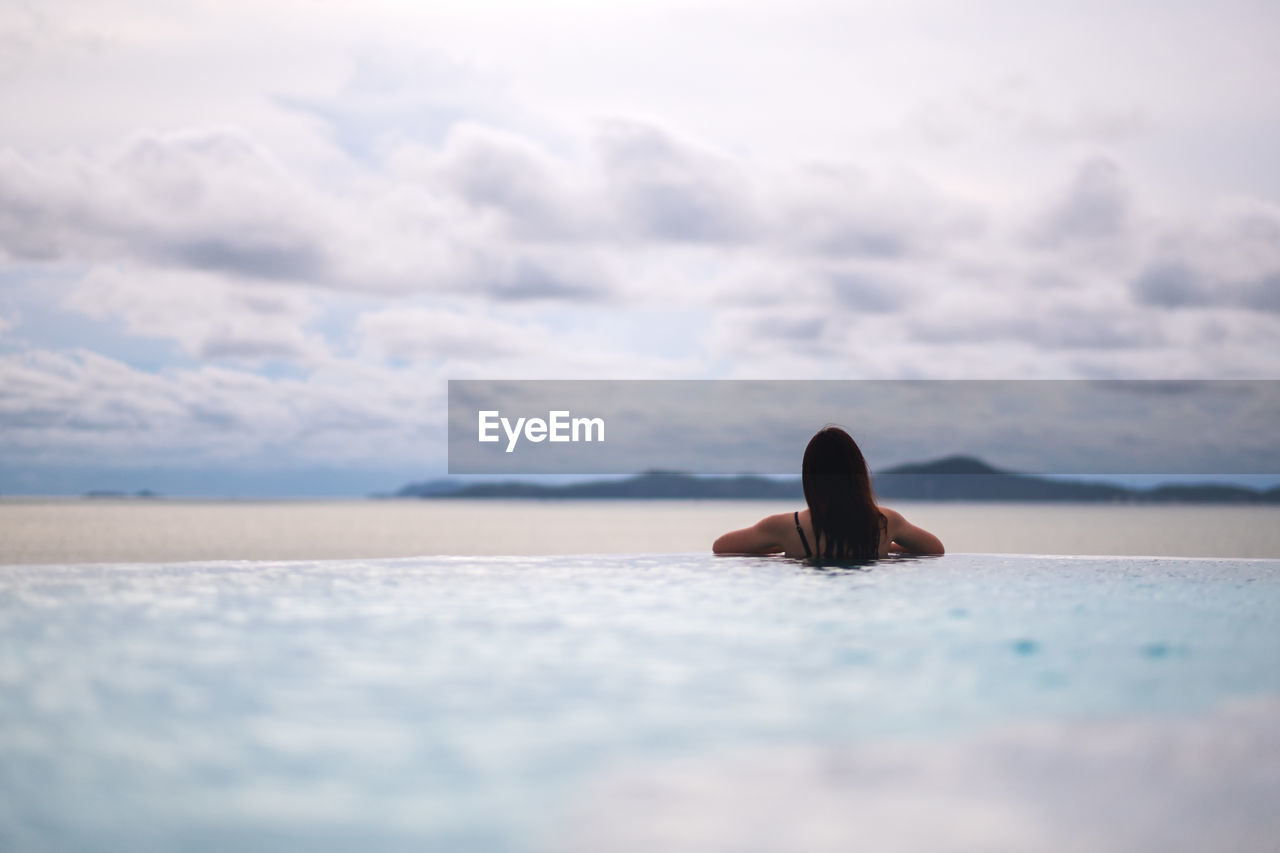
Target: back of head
<point x="837" y="488"/>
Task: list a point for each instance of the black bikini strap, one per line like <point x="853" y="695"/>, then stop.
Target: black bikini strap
<point x="803" y="540"/>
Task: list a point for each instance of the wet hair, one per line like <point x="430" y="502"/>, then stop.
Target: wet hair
<point x="842" y="507"/>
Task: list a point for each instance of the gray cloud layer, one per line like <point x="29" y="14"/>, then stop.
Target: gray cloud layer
<point x="426" y="216"/>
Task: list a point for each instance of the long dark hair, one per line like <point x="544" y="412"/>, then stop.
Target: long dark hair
<point x="837" y="487"/>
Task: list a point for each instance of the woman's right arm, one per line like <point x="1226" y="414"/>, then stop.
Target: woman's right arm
<point x="908" y="537"/>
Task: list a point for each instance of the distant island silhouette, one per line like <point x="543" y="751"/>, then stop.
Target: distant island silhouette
<point x="953" y="478"/>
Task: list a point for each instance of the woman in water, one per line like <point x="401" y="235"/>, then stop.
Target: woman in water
<point x="842" y="521"/>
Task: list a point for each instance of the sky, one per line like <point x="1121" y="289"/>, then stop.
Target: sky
<point x="242" y="252"/>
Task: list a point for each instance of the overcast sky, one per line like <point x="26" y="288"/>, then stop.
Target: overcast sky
<point x="250" y="247"/>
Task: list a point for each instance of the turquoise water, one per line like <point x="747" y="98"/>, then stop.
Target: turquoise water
<point x="478" y="703"/>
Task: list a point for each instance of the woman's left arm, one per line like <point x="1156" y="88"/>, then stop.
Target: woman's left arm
<point x="909" y="538"/>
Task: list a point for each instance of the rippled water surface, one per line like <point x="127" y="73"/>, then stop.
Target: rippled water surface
<point x="485" y="703"/>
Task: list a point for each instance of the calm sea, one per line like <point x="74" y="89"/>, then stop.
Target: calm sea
<point x="83" y="530"/>
<point x="252" y="676"/>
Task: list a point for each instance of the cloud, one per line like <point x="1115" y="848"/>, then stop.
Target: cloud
<point x="637" y="183"/>
<point x="82" y="407"/>
<point x="490" y="214"/>
<point x="213" y="201"/>
<point x="210" y="200"/>
<point x="839" y="210"/>
<point x="200" y="222"/>
<point x="538" y="197"/>
<point x="1171" y="285"/>
<point x="997" y="327"/>
<point x="1065" y="307"/>
<point x="461" y="341"/>
<point x="1228" y="259"/>
<point x="1177" y="285"/>
<point x="206" y="315"/>
<point x="667" y="189"/>
<point x="1094" y="207"/>
<point x="397" y="92"/>
<point x="644" y="186"/>
<point x="416" y="333"/>
<point x="870" y="292"/>
<point x="395" y="195"/>
<point x="1016" y="109"/>
<point x="1061" y="325"/>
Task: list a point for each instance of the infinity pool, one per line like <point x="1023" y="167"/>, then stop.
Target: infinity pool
<point x="639" y="702"/>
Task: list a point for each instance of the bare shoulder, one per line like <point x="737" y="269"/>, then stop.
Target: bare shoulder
<point x="781" y="521"/>
<point x="892" y="516"/>
<point x="775" y="526"/>
<point x="895" y="521"/>
<point x="908" y="536"/>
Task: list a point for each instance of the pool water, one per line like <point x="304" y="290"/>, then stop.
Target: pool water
<point x="513" y="704"/>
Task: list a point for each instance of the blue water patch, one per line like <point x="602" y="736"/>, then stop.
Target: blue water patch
<point x="464" y="703"/>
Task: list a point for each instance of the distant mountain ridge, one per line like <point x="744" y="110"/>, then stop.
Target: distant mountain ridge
<point x="951" y="478"/>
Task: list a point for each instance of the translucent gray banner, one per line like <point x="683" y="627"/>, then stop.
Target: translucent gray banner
<point x="761" y="427"/>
